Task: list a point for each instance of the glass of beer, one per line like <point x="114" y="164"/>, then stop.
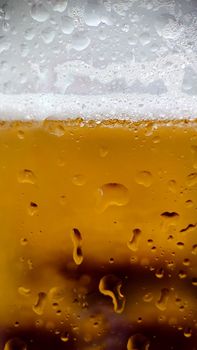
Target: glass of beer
<point x="98" y="175"/>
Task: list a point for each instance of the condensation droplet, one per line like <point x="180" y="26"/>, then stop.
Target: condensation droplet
<point x="148" y="297"/>
<point x="138" y="342"/>
<point x="145" y="38"/>
<point x="180" y="245"/>
<point x="64" y="337"/>
<point x="112" y="194"/>
<point x="182" y="274"/>
<point x="194" y="249"/>
<point x="172" y="185"/>
<point x="144" y="178"/>
<point x="39" y="12"/>
<point x="24" y="291"/>
<point x="57" y="294"/>
<point x="67" y="25"/>
<point x="38" y="307"/>
<point x="103" y="151"/>
<point x="189" y="203"/>
<point x="187" y="332"/>
<point x="79" y="180"/>
<point x="15" y="344"/>
<point x="23" y="241"/>
<point x="134" y="241"/>
<point x="60" y="5"/>
<point x="48" y="35"/>
<point x="26" y="176"/>
<point x="159" y="273"/>
<point x="192" y="179"/>
<point x="80" y="41"/>
<point x="21" y="134"/>
<point x="162" y="301"/>
<point x="194" y="281"/>
<point x="110" y="285"/>
<point x="33" y="208"/>
<point x="77" y="249"/>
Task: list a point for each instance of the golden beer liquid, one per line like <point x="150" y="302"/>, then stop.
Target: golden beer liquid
<point x="98" y="243"/>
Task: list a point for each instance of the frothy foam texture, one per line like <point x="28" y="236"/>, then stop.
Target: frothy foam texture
<point x="125" y="59"/>
<point x="119" y="106"/>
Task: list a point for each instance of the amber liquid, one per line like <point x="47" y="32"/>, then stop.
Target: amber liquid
<point x="98" y="244"/>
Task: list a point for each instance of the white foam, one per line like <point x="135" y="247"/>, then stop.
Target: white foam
<point x="120" y="106"/>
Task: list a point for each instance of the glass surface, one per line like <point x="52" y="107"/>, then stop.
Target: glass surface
<point x="98" y="175"/>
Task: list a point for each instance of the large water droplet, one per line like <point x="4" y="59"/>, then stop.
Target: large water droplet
<point x="162" y="301"/>
<point x="26" y="176"/>
<point x="60" y="5"/>
<point x="24" y="291"/>
<point x="39" y="12"/>
<point x="80" y="41"/>
<point x="77" y="249"/>
<point x="110" y="285"/>
<point x="112" y="194"/>
<point x="144" y="178"/>
<point x="67" y="25"/>
<point x="134" y="241"/>
<point x="15" y="344"/>
<point x="138" y="342"/>
<point x="38" y="307"/>
<point x="57" y="294"/>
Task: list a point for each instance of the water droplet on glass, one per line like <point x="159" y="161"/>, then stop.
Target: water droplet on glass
<point x="23" y="241"/>
<point x="57" y="294"/>
<point x="144" y="178"/>
<point x="145" y="38"/>
<point x="192" y="179"/>
<point x="194" y="249"/>
<point x="194" y="281"/>
<point x="112" y="194"/>
<point x="29" y="33"/>
<point x="162" y="301"/>
<point x="21" y="134"/>
<point x="172" y="185"/>
<point x="24" y="291"/>
<point x="180" y="245"/>
<point x="134" y="241"/>
<point x="79" y="180"/>
<point x="80" y="41"/>
<point x="60" y="5"/>
<point x="38" y="307"/>
<point x="159" y="273"/>
<point x="148" y="297"/>
<point x="15" y="344"/>
<point x="67" y="25"/>
<point x="187" y="332"/>
<point x="182" y="274"/>
<point x="77" y="249"/>
<point x="110" y="285"/>
<point x="189" y="203"/>
<point x="39" y="12"/>
<point x="138" y="342"/>
<point x="48" y="35"/>
<point x="103" y="151"/>
<point x="33" y="208"/>
<point x="64" y="337"/>
<point x="26" y="176"/>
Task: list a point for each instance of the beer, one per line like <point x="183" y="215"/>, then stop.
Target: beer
<point x="98" y="234"/>
<point x="98" y="175"/>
